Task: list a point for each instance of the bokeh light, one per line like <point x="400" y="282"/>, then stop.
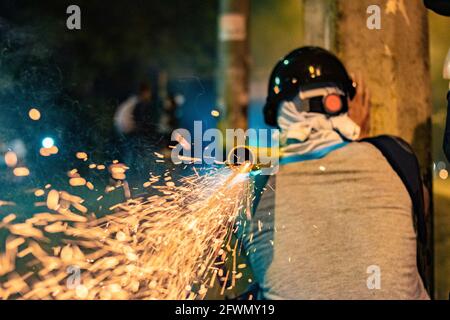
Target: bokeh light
<point x="34" y="114"/>
<point x="48" y="142"/>
<point x="443" y="174"/>
<point x="21" y="172"/>
<point x="10" y="159"/>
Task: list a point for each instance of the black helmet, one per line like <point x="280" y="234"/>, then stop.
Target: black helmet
<point x="307" y="68"/>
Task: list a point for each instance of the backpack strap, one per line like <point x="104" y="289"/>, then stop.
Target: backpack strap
<point x="402" y="159"/>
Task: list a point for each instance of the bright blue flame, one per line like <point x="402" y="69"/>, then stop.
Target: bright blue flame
<point x="48" y="142"/>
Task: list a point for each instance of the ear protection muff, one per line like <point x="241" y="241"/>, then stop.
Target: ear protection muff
<point x="332" y="104"/>
<point x="327" y="100"/>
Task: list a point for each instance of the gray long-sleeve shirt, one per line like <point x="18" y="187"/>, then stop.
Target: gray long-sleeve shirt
<point x="339" y="227"/>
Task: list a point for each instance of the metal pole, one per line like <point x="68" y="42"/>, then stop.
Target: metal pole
<point x="233" y="71"/>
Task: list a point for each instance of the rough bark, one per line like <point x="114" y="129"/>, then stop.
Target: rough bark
<point x="395" y="62"/>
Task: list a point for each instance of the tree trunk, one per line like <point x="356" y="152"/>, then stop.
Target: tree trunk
<point x="395" y="62"/>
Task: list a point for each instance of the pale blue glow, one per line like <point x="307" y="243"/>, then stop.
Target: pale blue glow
<point x="48" y="142"/>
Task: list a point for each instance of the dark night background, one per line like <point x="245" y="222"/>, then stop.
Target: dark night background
<point x="77" y="78"/>
<point x="79" y="75"/>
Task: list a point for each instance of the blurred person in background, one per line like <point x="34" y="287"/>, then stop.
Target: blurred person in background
<point x="136" y="121"/>
<point x="447" y="122"/>
<point x="342" y="217"/>
<point x="169" y="120"/>
<point x="442" y="7"/>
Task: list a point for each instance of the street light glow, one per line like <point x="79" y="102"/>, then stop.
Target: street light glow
<point x="48" y="142"/>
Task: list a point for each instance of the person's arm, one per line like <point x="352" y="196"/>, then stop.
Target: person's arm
<point x="426" y="200"/>
<point x="439" y="6"/>
<point x="447" y="131"/>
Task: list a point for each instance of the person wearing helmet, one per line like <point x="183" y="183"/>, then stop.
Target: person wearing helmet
<point x="336" y="221"/>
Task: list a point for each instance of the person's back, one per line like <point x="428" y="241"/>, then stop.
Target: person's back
<point x="323" y="227"/>
<point x="337" y="221"/>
